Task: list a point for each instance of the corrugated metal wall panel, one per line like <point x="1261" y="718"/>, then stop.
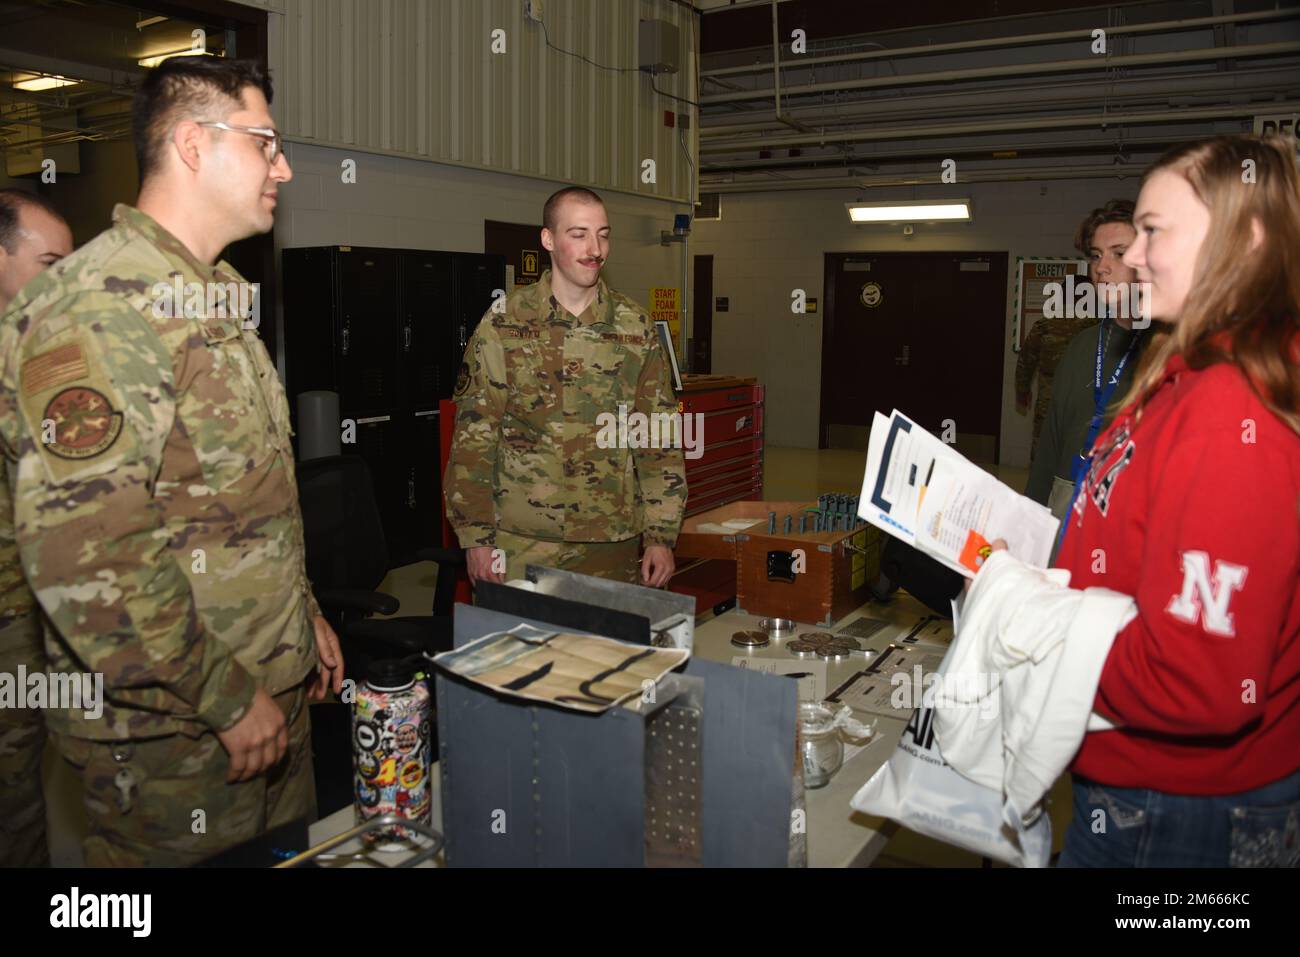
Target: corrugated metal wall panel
<point x="418" y="78"/>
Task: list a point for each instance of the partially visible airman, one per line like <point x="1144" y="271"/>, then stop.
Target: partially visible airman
<point x="33" y="237"/>
<point x="155" y="505"/>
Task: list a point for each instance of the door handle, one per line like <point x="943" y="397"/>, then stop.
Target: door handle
<point x="345" y="340"/>
<point x="407" y="332"/>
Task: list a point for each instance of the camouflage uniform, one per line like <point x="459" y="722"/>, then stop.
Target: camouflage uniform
<point x="1041" y="353"/>
<point x="22" y="730"/>
<point x="525" y="460"/>
<point x="618" y="560"/>
<point x="156" y="516"/>
<point x="23" y="840"/>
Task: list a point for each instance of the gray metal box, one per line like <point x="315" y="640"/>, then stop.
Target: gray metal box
<point x="659" y="46"/>
<point x="703" y="776"/>
<point x="671" y="616"/>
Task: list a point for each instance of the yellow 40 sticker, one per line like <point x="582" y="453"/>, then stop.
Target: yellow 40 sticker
<point x="387" y="772"/>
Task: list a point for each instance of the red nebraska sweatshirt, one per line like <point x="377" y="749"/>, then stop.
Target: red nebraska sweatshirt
<point x="1195" y="511"/>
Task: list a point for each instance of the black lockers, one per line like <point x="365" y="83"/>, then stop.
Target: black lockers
<point x="386" y="329"/>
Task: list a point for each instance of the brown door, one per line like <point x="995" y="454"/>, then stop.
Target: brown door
<point x="917" y="332"/>
<point x="701" y="359"/>
<point x="521" y="244"/>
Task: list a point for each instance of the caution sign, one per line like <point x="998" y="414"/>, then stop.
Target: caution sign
<point x="666" y="306"/>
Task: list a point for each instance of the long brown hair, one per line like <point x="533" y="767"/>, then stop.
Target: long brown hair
<point x="1242" y="307"/>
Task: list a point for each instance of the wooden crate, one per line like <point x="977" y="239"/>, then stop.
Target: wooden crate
<point x="692" y="543"/>
<point x="837" y="567"/>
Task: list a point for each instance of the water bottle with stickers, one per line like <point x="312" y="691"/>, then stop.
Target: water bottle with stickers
<point x="392" y="757"/>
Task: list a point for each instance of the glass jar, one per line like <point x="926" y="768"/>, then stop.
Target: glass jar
<point x="820" y="744"/>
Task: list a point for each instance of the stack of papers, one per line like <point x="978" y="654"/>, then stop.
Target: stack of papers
<point x="921" y="490"/>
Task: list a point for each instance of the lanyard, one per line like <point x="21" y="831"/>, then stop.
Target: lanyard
<point x="1100" y="399"/>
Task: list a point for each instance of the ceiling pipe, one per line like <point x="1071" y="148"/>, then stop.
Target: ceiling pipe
<point x="1003" y="126"/>
<point x="43" y="123"/>
<point x="62" y="139"/>
<point x="1019" y="69"/>
<point x="1116" y="171"/>
<point x="1253" y="81"/>
<point x="1027" y="39"/>
<point x="1134" y="144"/>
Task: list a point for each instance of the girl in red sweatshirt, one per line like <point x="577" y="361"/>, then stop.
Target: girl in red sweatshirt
<point x="1191" y="504"/>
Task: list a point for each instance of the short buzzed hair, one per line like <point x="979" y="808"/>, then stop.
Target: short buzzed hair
<point x="1115" y="211"/>
<point x="201" y="88"/>
<point x="580" y="193"/>
<point x="12" y="202"/>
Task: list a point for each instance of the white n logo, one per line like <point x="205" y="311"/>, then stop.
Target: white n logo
<point x="1206" y="598"/>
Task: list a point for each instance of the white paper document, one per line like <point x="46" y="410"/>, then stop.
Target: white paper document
<point x="921" y="490"/>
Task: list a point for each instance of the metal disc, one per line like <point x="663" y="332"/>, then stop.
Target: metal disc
<point x="749" y="639"/>
<point x="776" y="627"/>
<point x="824" y="645"/>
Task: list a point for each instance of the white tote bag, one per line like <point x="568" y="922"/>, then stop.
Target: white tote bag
<point x="917" y="788"/>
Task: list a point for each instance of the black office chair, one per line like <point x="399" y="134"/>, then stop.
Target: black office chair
<point x="347" y="559"/>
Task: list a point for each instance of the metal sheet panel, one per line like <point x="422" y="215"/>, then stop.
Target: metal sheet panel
<point x="573" y="787"/>
<point x="563" y="789"/>
<point x="419" y="78"/>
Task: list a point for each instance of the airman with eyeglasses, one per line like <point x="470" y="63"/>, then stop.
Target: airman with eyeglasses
<point x="272" y="142"/>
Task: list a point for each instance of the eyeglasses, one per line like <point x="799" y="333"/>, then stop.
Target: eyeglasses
<point x="271" y="138"/>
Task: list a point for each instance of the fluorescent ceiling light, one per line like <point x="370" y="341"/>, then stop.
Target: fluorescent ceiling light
<point x="153" y="61"/>
<point x="911" y="211"/>
<point x="36" y="84"/>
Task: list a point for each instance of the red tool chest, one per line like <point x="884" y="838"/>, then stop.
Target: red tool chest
<point x="727" y="463"/>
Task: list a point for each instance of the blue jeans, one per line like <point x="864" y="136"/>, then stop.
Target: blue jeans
<point x="1137" y="827"/>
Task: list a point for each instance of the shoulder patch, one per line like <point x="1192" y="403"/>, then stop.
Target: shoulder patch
<point x="49" y="369"/>
<point x="84" y="424"/>
<point x="462" y="378"/>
